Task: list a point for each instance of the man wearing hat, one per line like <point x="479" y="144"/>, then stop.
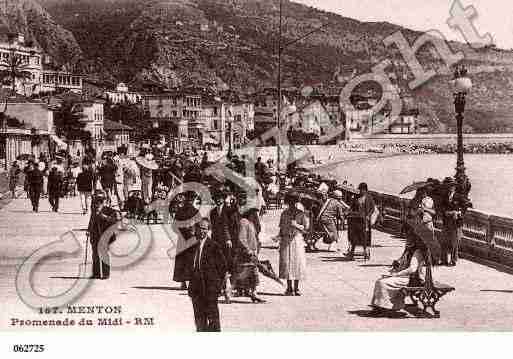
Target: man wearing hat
<point x="35" y="184"/>
<point x="333" y="210"/>
<point x="102" y="217"/>
<point x="452" y="218"/>
<point x="221" y="229"/>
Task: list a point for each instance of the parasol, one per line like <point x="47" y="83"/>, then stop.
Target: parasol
<point x="304" y="195"/>
<point x="146" y="163"/>
<point x="266" y="269"/>
<point x="414" y="186"/>
<point x="346" y="188"/>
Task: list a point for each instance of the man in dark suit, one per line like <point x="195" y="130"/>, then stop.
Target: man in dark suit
<point x="453" y="211"/>
<point x="35" y="184"/>
<point x="102" y="217"/>
<point x="207" y="279"/>
<point x="55" y="184"/>
<point x="222" y="231"/>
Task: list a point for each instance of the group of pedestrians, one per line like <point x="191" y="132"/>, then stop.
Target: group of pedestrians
<point x="218" y="255"/>
<point x="40" y="179"/>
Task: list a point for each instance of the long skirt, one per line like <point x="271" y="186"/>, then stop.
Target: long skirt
<point x="293" y="259"/>
<point x="357" y="233"/>
<point x="332" y="229"/>
<point x="387" y="293"/>
<point x="147" y="189"/>
<point x="245" y="276"/>
<point x="184" y="265"/>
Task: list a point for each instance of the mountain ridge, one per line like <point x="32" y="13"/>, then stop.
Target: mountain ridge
<point x="232" y="44"/>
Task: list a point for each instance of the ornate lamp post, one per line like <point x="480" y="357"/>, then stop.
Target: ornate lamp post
<point x="461" y="85"/>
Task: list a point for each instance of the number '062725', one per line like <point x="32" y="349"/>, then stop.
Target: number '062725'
<point x="28" y="348"/>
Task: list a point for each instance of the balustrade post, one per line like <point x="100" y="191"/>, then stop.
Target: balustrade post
<point x="490" y="236"/>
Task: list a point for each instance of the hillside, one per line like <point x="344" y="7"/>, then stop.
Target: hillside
<point x="233" y="44"/>
<point x="29" y="18"/>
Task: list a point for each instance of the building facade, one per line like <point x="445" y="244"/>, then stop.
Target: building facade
<point x="32" y="60"/>
<point x="122" y="95"/>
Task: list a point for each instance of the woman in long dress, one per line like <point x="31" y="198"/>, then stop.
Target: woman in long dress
<point x="294" y="223"/>
<point x="359" y="222"/>
<point x="245" y="276"/>
<point x="419" y="220"/>
<point x="184" y="261"/>
<point x="387" y="290"/>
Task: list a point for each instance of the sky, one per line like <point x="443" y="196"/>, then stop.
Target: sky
<point x="493" y="16"/>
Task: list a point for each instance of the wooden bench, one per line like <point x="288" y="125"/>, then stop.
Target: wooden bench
<point x="429" y="294"/>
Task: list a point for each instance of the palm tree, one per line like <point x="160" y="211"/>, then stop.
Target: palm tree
<point x="13" y="68"/>
<point x="68" y="123"/>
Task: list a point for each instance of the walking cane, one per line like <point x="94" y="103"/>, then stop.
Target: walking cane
<point x="86" y="246"/>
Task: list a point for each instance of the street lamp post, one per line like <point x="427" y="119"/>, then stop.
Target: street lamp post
<point x="462" y="85"/>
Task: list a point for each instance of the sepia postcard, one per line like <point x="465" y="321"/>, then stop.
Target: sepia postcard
<point x="182" y="166"/>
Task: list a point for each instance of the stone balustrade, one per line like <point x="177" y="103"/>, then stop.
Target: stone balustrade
<point x="485" y="236"/>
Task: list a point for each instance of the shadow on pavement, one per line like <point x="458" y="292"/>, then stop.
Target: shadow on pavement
<point x="497" y="290"/>
<point x="417" y="312"/>
<point x="375" y="265"/>
<point x="336" y="259"/>
<point x="70" y="277"/>
<point x="271" y="294"/>
<point x="318" y="251"/>
<point x="373" y="314"/>
<point x="161" y="288"/>
<point x="234" y="301"/>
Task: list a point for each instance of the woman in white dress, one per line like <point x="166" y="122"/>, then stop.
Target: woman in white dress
<point x="387" y="290"/>
<point x="294" y="223"/>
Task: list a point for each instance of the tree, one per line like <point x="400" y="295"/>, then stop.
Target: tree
<point x="68" y="123"/>
<point x="13" y="68"/>
<point x="128" y="114"/>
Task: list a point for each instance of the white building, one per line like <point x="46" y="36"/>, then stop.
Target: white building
<point x="93" y="112"/>
<point x="312" y="118"/>
<point x="122" y="94"/>
<point x="33" y="60"/>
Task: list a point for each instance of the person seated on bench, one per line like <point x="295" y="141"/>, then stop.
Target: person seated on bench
<point x="387" y="290"/>
<point x="419" y="221"/>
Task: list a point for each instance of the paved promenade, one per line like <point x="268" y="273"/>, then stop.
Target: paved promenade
<point x="335" y="295"/>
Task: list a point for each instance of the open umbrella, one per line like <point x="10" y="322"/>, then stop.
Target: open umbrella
<point x="414" y="186"/>
<point x="302" y="195"/>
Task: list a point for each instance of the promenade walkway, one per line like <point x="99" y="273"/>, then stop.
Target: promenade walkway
<point x="335" y="295"/>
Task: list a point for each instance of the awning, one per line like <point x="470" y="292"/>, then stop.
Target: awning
<point x="60" y="143"/>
